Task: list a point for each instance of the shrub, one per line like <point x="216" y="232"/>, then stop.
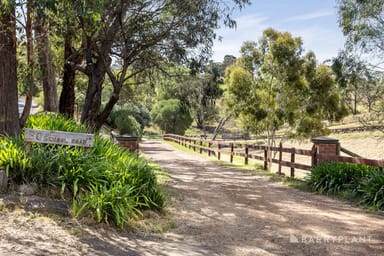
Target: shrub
<point x="13" y="157"/>
<point x="333" y="177"/>
<point x="54" y="121"/>
<point x="125" y="123"/>
<point x="372" y="189"/>
<point x="140" y="113"/>
<point x="108" y="181"/>
<point x="171" y="117"/>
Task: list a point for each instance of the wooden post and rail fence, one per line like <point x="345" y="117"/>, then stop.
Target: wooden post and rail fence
<point x="324" y="150"/>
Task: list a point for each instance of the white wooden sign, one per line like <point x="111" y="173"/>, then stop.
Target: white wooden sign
<point x="57" y="137"/>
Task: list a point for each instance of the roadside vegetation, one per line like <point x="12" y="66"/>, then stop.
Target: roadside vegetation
<point x="107" y="182"/>
<point x="359" y="183"/>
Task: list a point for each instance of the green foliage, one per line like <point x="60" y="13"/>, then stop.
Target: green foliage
<point x="365" y="182"/>
<point x="131" y="119"/>
<point x="372" y="189"/>
<point x="124" y="122"/>
<point x="107" y="182"/>
<point x="140" y="113"/>
<point x="273" y="84"/>
<point x="362" y="23"/>
<point x="12" y="155"/>
<point x="334" y="177"/>
<point x="198" y="89"/>
<point x="54" y="121"/>
<point x="171" y="116"/>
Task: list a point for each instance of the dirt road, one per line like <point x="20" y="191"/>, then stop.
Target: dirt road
<point x="231" y="213"/>
<point x="217" y="211"/>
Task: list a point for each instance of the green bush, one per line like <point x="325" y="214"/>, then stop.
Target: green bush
<point x="125" y="123"/>
<point x="54" y="121"/>
<point x="140" y="113"/>
<point x="372" y="189"/>
<point x="107" y="182"/>
<point x="171" y="116"/>
<point x="333" y="177"/>
<point x="13" y="156"/>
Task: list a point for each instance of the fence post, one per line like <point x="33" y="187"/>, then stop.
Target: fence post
<point x="231" y="157"/>
<point x="209" y="148"/>
<point x="314" y="156"/>
<point x="292" y="162"/>
<point x="265" y="159"/>
<point x="246" y="154"/>
<point x="201" y="146"/>
<point x="280" y="157"/>
<point x="194" y="145"/>
<point x="218" y="151"/>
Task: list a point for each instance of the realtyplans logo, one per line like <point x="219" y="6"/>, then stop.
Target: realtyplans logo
<point x="330" y="239"/>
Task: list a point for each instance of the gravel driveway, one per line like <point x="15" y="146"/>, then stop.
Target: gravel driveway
<point x="232" y="213"/>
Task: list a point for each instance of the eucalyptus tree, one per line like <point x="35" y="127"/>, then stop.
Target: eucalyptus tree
<point x="274" y="84"/>
<point x="9" y="114"/>
<point x="351" y="74"/>
<point x="137" y="35"/>
<point x="363" y="24"/>
<point x="46" y="62"/>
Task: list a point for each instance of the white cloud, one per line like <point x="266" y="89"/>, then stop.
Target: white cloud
<point x="318" y="35"/>
<point x="311" y="16"/>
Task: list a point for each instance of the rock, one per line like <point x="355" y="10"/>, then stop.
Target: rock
<point x="27" y="189"/>
<point x="3" y="181"/>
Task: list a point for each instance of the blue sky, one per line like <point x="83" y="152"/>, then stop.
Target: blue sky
<point x="315" y="21"/>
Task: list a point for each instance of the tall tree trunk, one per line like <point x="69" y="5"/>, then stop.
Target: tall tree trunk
<point x="96" y="72"/>
<point x="67" y="96"/>
<point x="30" y="66"/>
<point x="9" y="114"/>
<point x="47" y="69"/>
<point x="91" y="109"/>
<point x="220" y="125"/>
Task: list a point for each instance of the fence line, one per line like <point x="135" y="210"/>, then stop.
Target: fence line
<point x="259" y="152"/>
<point x="357" y="129"/>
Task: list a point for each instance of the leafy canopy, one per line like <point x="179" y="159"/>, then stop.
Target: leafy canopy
<point x="363" y="23"/>
<point x="171" y="116"/>
<point x="273" y="84"/>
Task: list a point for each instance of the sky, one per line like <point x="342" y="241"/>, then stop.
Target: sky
<point x="315" y="21"/>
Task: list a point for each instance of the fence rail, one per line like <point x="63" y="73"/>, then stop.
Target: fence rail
<point x="260" y="153"/>
<point x="244" y="150"/>
<point x="357" y="129"/>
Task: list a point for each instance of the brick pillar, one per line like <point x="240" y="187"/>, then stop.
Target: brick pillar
<point x="131" y="143"/>
<point x="325" y="146"/>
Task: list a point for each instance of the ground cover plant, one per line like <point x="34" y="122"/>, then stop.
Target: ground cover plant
<point x="106" y="182"/>
<point x="365" y="183"/>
